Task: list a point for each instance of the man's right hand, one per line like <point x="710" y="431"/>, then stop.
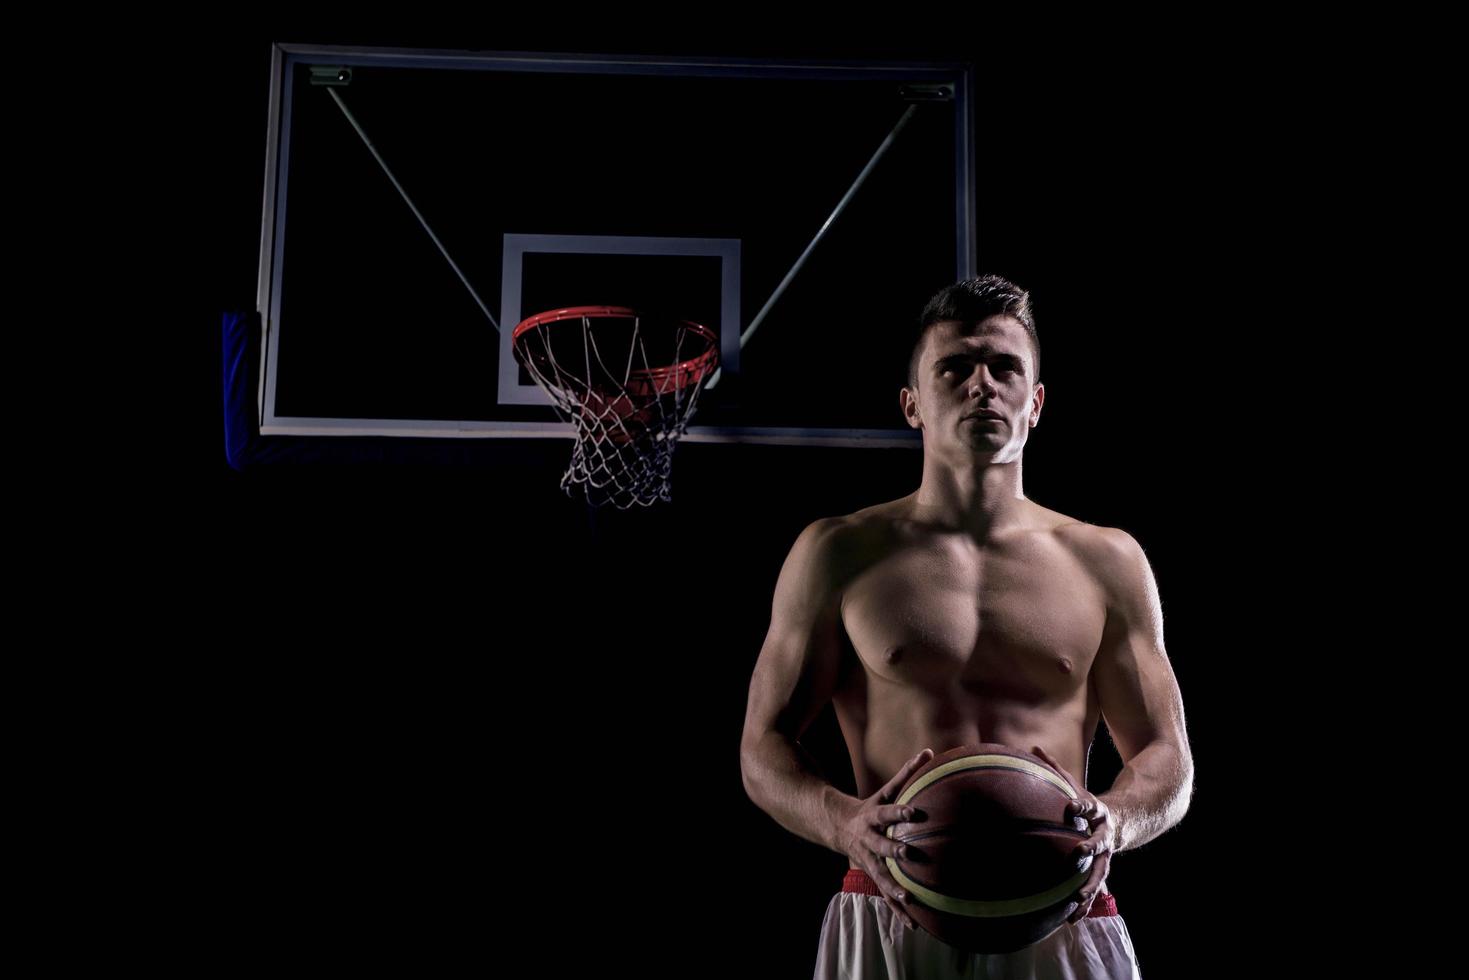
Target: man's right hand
<point x="862" y="833"/>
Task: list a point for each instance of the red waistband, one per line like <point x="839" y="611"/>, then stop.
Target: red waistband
<point x="858" y="880"/>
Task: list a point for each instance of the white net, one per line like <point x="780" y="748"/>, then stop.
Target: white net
<point x="628" y="384"/>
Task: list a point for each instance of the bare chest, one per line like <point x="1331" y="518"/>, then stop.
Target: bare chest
<point x="1016" y="623"/>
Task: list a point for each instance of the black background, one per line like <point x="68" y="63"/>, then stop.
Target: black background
<point x="420" y="716"/>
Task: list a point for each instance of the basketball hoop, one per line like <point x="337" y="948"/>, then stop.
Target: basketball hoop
<point x="628" y="383"/>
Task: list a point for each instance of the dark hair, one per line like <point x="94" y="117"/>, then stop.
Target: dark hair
<point x="970" y="301"/>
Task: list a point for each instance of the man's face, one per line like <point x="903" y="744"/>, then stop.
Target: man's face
<point x="988" y="368"/>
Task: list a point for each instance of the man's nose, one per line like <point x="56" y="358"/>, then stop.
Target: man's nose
<point x="981" y="385"/>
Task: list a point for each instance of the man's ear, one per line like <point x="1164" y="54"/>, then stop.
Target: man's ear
<point x="1036" y="401"/>
<point x="908" y="402"/>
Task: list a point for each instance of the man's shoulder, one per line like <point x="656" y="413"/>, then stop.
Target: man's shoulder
<point x="844" y="542"/>
<point x="1110" y="553"/>
<point x="883" y="515"/>
<point x="1088" y="536"/>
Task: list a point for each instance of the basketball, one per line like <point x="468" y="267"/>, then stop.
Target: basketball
<point x="990" y="869"/>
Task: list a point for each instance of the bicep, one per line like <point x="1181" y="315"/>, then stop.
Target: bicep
<point x="796" y="672"/>
<point x="1135" y="684"/>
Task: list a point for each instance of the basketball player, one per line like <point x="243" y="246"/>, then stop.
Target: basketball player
<point x="963" y="613"/>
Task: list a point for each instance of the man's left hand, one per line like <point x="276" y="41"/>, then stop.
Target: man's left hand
<point x="1099" y="844"/>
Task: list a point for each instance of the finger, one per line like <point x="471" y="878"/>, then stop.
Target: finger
<point x="1092" y="811"/>
<point x="896" y="813"/>
<point x="1089" y="805"/>
<point x="1089" y="891"/>
<point x="878" y="871"/>
<point x="1100" y="832"/>
<point x="897" y="900"/>
<point x="1037" y="750"/>
<point x="1050" y="761"/>
<point x="895" y="931"/>
<point x="887" y="847"/>
<point x="897" y="922"/>
<point x="1082" y="909"/>
<point x="1084" y="903"/>
<point x="1094" y="846"/>
<point x="896" y="896"/>
<point x="896" y="783"/>
<point x="1082" y="854"/>
<point x="897" y="914"/>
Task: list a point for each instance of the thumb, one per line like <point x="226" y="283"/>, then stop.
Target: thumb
<point x="901" y="776"/>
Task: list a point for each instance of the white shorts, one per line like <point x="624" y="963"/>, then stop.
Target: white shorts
<point x="862" y="939"/>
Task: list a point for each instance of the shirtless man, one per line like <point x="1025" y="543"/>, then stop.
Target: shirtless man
<point x="965" y="613"/>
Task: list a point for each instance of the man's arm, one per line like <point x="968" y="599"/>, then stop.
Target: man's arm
<point x="1140" y="699"/>
<point x="794" y="678"/>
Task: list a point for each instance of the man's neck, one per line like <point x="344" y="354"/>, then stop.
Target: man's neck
<point x="982" y="501"/>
